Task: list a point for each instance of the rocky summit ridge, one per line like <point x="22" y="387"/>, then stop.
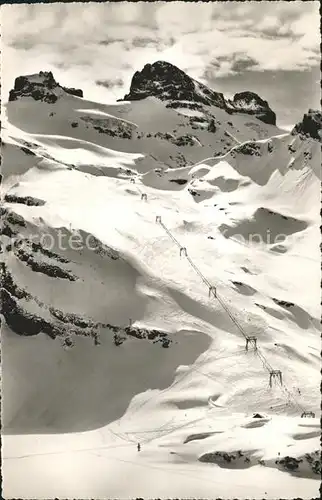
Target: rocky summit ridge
<point x="169" y="83"/>
<point x="176" y="89"/>
<point x="41" y="87"/>
<point x="310" y="126"/>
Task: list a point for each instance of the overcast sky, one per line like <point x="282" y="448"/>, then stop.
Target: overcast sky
<point x="271" y="48"/>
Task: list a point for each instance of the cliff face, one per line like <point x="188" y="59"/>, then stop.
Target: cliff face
<point x="310" y="126"/>
<point x="169" y="83"/>
<point x="41" y="87"/>
<point x="27" y="314"/>
<point x="250" y="103"/>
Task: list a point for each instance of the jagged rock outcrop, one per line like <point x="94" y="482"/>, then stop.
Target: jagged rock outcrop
<point x="224" y="459"/>
<point x="169" y="83"/>
<point x="110" y="126"/>
<point x="25" y="200"/>
<point x="41" y="87"/>
<point x="182" y="140"/>
<point x="251" y="104"/>
<point x="54" y="322"/>
<point x="250" y="148"/>
<point x="10" y="222"/>
<point x="59" y="323"/>
<point x="73" y="91"/>
<point x="25" y="254"/>
<point x="310" y="126"/>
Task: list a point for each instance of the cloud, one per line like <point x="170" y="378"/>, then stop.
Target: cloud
<point x="242" y="63"/>
<point x="232" y="64"/>
<point x="86" y="43"/>
<point x="118" y="82"/>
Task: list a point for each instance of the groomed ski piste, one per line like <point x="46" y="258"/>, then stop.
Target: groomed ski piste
<point x="230" y="407"/>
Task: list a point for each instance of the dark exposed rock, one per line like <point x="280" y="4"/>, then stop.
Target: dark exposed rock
<point x="120" y="335"/>
<point x="50" y="270"/>
<point x="289" y="463"/>
<point x="37" y="247"/>
<point x="28" y="151"/>
<point x="185" y="140"/>
<point x="10" y="222"/>
<point x="165" y="136"/>
<point x="310" y="126"/>
<point x="110" y="126"/>
<point x="71" y="318"/>
<point x="250" y="103"/>
<point x="184" y="104"/>
<point x="25" y="200"/>
<point x="193" y="192"/>
<point x="223" y="459"/>
<point x="212" y="126"/>
<point x="10" y="217"/>
<point x="283" y="303"/>
<point x="62" y="323"/>
<point x="250" y="148"/>
<point x="72" y="91"/>
<point x="179" y="181"/>
<point x="167" y="82"/>
<point x="41" y="87"/>
<point x="25" y="323"/>
<point x="11" y="286"/>
<point x="22" y="322"/>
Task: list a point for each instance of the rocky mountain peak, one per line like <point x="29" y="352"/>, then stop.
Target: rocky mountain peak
<point x="251" y="103"/>
<point x="169" y="83"/>
<point x="310" y="126"/>
<point x="41" y="86"/>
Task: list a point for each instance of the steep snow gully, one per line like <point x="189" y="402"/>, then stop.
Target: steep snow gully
<point x="174" y="317"/>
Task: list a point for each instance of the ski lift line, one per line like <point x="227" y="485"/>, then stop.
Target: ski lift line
<point x="265" y="362"/>
<point x="143" y="195"/>
<point x="170" y="234"/>
<point x="204" y="279"/>
<point x="282" y="385"/>
<point x="291" y="396"/>
<point x="234" y="320"/>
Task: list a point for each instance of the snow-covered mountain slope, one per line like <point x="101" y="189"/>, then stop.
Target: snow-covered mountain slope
<point x="110" y="337"/>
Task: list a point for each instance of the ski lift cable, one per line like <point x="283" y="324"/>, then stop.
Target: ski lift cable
<point x="264" y="360"/>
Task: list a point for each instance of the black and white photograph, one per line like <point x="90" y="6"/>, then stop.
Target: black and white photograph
<point x="160" y="251"/>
